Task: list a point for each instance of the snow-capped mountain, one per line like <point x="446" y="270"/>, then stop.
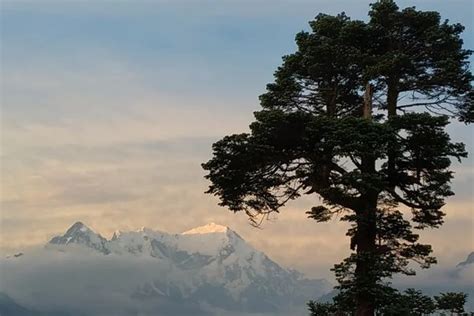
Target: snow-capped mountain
<point x="210" y="264"/>
<point x="82" y="235"/>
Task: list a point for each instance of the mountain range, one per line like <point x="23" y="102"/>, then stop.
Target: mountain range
<point x="208" y="270"/>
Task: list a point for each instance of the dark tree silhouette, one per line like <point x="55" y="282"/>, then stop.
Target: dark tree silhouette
<point x="344" y="121"/>
<point x="409" y="303"/>
<point x="451" y="302"/>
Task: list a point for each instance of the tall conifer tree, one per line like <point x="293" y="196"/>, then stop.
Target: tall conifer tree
<point x="357" y="116"/>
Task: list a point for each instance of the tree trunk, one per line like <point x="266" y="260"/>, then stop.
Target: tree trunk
<point x="392" y="98"/>
<point x="366" y="250"/>
<point x="367" y="107"/>
<point x="366" y="230"/>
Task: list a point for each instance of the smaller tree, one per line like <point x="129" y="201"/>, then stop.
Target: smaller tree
<point x="410" y="303"/>
<point x="451" y="302"/>
<point x="418" y="303"/>
<point x="321" y="309"/>
<point x="391" y="302"/>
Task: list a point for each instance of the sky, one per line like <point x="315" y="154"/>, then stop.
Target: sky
<point x="108" y="108"/>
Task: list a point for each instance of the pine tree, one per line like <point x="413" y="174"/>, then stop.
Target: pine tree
<point x="332" y="125"/>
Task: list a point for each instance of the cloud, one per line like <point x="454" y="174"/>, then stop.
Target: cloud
<point x="80" y="283"/>
<point x="441" y="280"/>
<point x="93" y="284"/>
<point x="160" y="184"/>
<point x="86" y="283"/>
<point x="78" y="110"/>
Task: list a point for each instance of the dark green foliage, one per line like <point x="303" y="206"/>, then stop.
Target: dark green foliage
<point x="324" y="71"/>
<point x="321" y="309"/>
<point x="410" y="303"/>
<point x="419" y="56"/>
<point x="393" y="303"/>
<point x="318" y="134"/>
<point x="451" y="302"/>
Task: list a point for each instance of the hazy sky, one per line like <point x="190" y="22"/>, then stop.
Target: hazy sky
<point x="110" y="107"/>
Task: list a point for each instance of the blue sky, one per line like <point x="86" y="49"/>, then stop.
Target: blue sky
<point x="109" y="107"/>
<point x="199" y="47"/>
<point x="208" y="48"/>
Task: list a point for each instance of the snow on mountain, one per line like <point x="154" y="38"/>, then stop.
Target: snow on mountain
<point x="210" y="264"/>
<point x="207" y="229"/>
<point x="82" y="235"/>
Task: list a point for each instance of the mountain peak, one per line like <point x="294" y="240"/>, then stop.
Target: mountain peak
<point x="78" y="227"/>
<point x="79" y="233"/>
<point x="208" y="229"/>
